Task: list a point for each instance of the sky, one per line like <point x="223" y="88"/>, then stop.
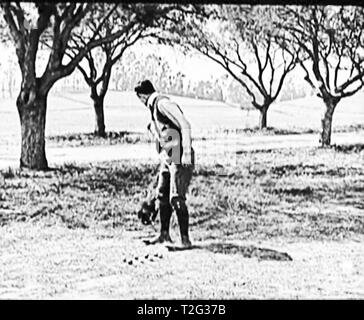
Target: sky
<point x="195" y="66"/>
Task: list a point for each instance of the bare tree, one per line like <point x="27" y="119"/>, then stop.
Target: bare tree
<point x="56" y="24"/>
<point x="240" y="39"/>
<point x="332" y="40"/>
<point x="136" y="24"/>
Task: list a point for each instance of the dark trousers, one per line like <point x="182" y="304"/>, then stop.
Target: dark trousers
<point x="173" y="182"/>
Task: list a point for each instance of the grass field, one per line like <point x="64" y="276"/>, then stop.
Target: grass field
<point x="266" y="223"/>
<point x="71" y="113"/>
<point x="277" y="224"/>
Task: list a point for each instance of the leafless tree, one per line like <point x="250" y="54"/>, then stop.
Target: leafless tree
<point x="332" y="40"/>
<point x="240" y="39"/>
<point x="57" y="24"/>
<point x="136" y="23"/>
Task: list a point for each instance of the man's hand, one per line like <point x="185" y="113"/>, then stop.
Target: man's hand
<point x="151" y="130"/>
<point x="186" y="157"/>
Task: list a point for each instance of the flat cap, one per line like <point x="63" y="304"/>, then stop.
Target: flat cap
<point x="144" y="87"/>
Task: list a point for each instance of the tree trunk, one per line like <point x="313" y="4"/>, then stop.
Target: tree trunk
<point x="99" y="116"/>
<point x="263" y="117"/>
<point x="326" y="122"/>
<point x="32" y="112"/>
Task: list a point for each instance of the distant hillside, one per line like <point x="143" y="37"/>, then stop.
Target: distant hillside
<point x="73" y="113"/>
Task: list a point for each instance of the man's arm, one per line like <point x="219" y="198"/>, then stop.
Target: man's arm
<point x="173" y="112"/>
<point x="152" y="129"/>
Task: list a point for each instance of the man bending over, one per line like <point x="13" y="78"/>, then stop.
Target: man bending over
<point x="173" y="136"/>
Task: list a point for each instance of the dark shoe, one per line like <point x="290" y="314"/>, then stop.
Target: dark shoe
<point x="186" y="242"/>
<point x="160" y="239"/>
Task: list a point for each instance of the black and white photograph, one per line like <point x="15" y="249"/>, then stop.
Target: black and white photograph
<point x="181" y="151"/>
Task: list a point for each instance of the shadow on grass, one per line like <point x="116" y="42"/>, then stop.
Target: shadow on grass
<point x="303" y="192"/>
<point x="269" y="131"/>
<point x="312" y="170"/>
<point x="246" y="251"/>
<point x="90" y="139"/>
<point x="349" y="148"/>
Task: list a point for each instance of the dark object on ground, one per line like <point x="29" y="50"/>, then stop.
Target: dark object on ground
<point x="147" y="212"/>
